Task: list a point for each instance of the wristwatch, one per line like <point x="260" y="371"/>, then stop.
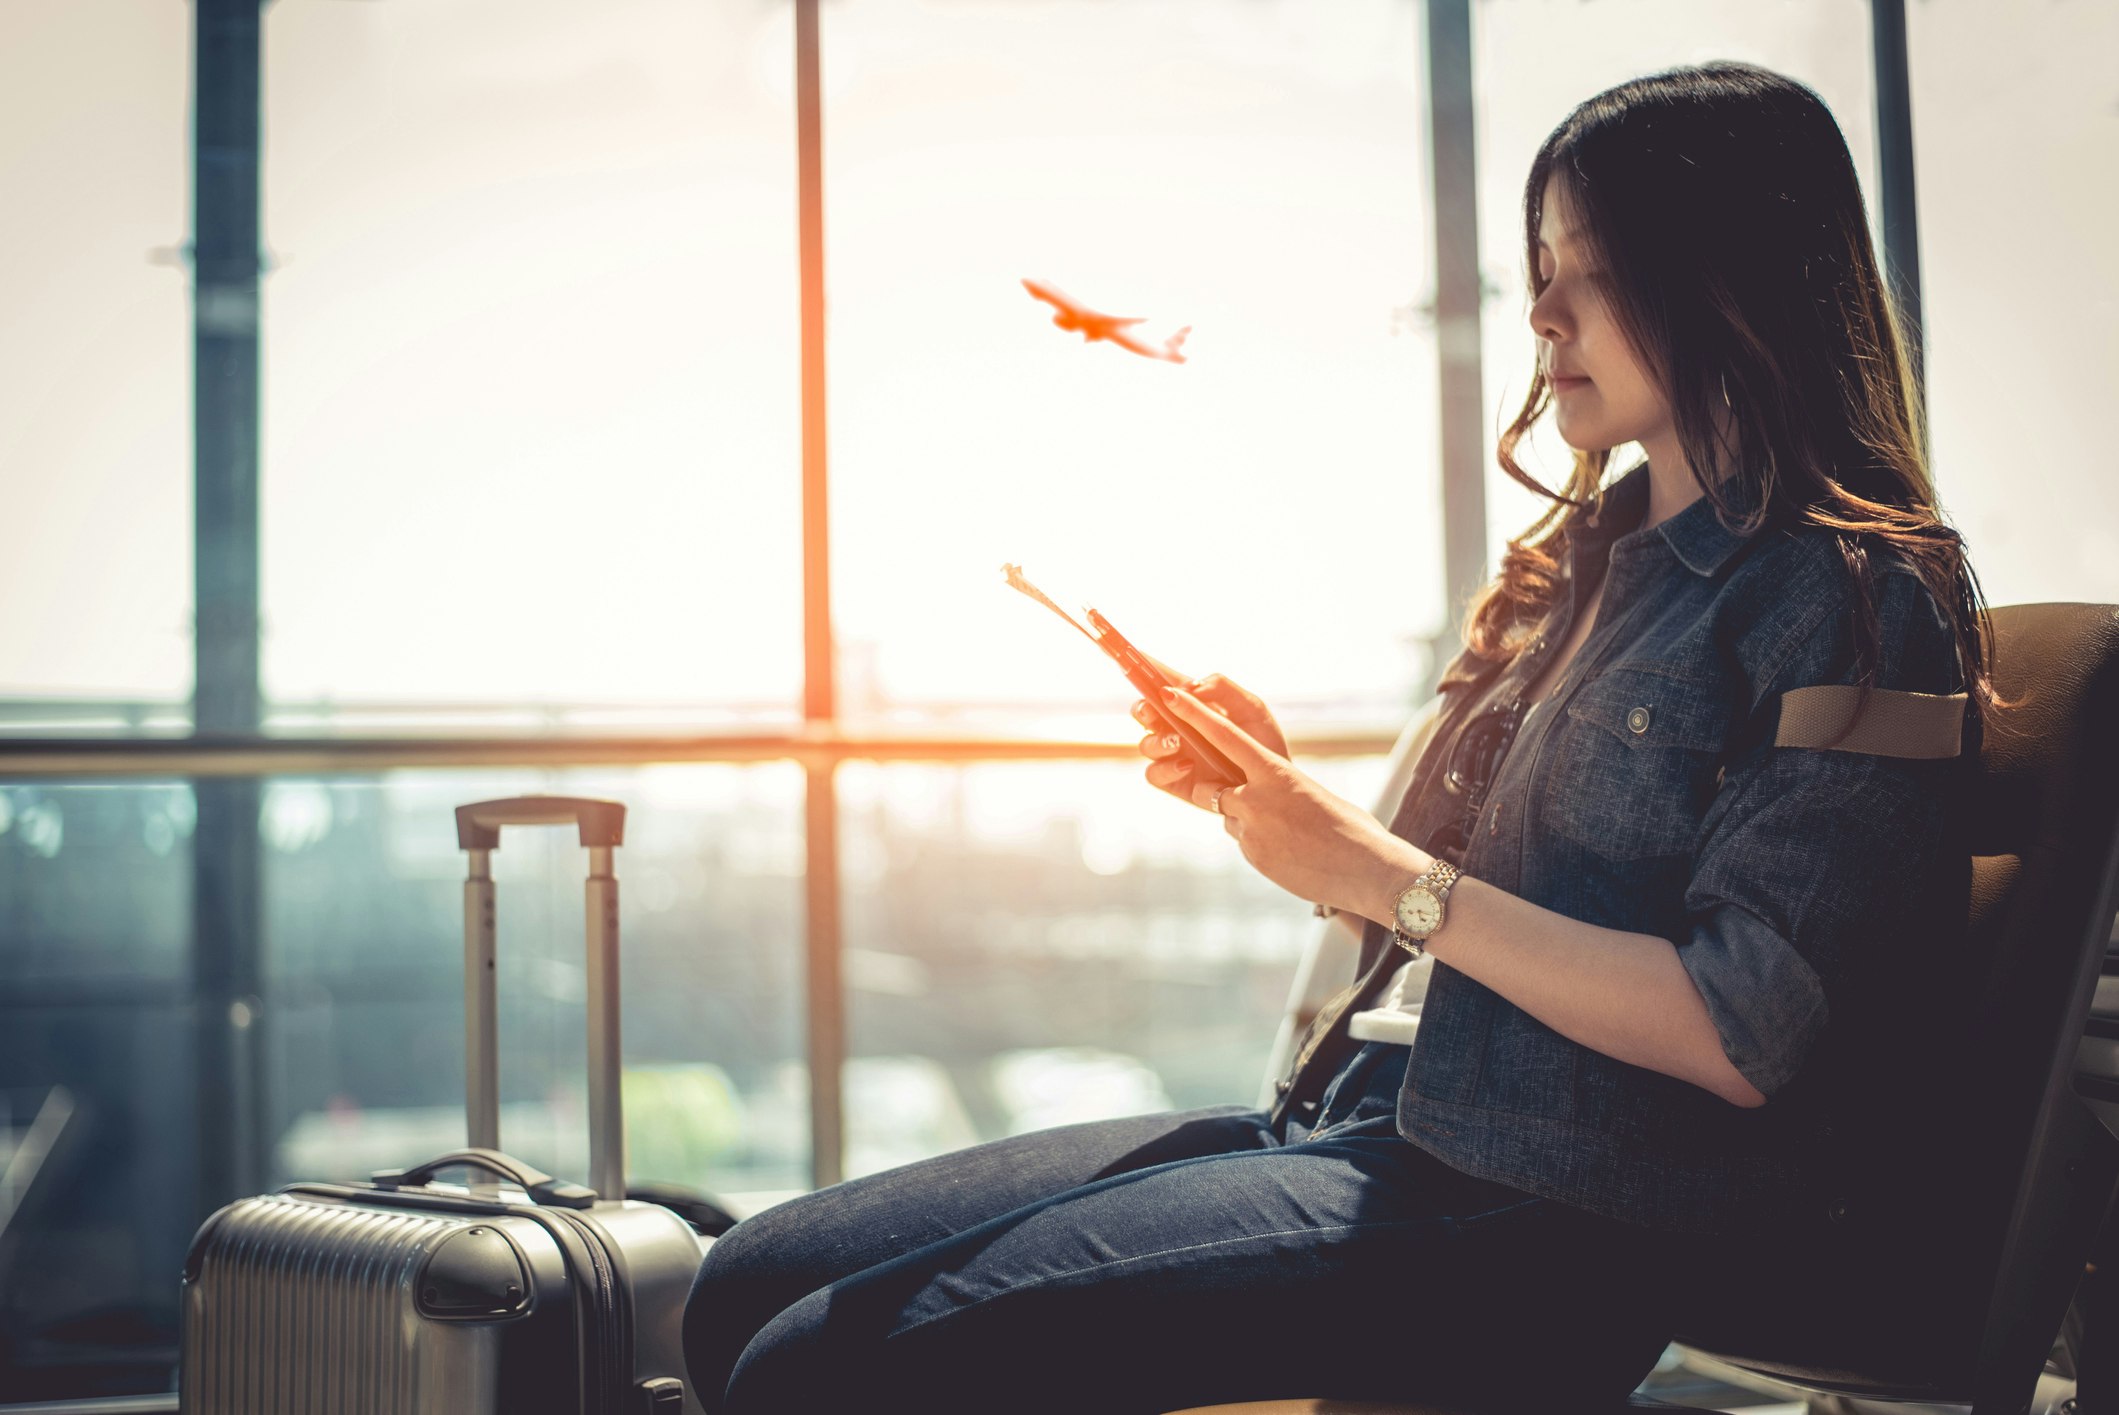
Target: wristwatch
<point x="1417" y="914"/>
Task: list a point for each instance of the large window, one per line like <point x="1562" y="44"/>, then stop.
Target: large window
<point x="530" y="472"/>
<point x="95" y="488"/>
<point x="1253" y="174"/>
<point x="530" y="364"/>
<point x="2016" y="131"/>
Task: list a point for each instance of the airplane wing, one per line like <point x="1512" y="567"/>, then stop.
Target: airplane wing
<point x="1060" y="299"/>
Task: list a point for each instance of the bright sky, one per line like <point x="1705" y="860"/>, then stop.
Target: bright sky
<point x="531" y="389"/>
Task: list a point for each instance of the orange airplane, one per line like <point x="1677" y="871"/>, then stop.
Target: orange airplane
<point x="1074" y="315"/>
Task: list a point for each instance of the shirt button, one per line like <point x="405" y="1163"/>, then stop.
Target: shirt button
<point x="1493" y="821"/>
<point x="1282" y="1087"/>
<point x="1637" y="721"/>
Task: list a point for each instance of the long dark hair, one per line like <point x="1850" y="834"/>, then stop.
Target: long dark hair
<point x="1721" y="205"/>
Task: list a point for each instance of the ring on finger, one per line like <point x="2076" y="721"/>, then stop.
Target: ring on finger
<point x="1215" y="801"/>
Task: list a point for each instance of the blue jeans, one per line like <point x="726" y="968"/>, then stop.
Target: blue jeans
<point x="1155" y="1262"/>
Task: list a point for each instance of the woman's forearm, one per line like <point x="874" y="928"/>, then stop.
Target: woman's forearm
<point x="1623" y="994"/>
<point x="1626" y="995"/>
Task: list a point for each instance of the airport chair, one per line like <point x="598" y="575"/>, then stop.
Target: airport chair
<point x="2011" y="1165"/>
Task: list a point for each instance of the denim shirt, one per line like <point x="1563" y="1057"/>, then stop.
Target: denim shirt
<point x="1800" y="886"/>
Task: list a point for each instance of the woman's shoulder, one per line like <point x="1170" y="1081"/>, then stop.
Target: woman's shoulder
<point x="1805" y="562"/>
<point x="1794" y="612"/>
<point x="1800" y="573"/>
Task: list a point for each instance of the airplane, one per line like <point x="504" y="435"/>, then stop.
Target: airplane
<point x="1074" y="315"/>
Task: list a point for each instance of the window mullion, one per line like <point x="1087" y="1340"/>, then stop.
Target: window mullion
<point x="826" y="1002"/>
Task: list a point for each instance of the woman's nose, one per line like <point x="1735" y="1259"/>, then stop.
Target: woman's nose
<point x="1547" y="320"/>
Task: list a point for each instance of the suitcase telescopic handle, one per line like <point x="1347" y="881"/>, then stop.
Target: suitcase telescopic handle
<point x="542" y="1187"/>
<point x="602" y="827"/>
<point x="602" y="823"/>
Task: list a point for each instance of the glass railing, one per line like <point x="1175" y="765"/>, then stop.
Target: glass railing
<point x="1021" y="943"/>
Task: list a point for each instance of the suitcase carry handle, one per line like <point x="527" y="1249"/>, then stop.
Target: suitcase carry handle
<point x="542" y="1187"/>
<point x="602" y="827"/>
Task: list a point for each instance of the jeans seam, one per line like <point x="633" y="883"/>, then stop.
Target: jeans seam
<point x="1196" y="1247"/>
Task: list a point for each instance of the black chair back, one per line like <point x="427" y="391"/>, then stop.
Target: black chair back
<point x="1944" y="1271"/>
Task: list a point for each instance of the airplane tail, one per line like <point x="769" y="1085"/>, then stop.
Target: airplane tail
<point x="1176" y="342"/>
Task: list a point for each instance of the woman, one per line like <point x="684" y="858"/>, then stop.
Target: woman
<point x="1657" y="979"/>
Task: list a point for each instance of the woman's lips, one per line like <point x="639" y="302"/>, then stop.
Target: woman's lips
<point x="1562" y="385"/>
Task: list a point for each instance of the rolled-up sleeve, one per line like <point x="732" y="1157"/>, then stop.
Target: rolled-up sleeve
<point x="1807" y="855"/>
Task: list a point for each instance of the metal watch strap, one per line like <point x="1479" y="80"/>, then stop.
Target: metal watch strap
<point x="1438" y="879"/>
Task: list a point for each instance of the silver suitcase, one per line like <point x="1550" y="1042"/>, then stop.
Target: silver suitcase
<point x="404" y="1296"/>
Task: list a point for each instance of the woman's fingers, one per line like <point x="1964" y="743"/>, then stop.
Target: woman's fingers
<point x="1158" y="746"/>
<point x="1203" y="794"/>
<point x="1231" y="697"/>
<point x="1231" y="700"/>
<point x="1244" y="708"/>
<point x="1235" y="743"/>
<point x="1174" y="777"/>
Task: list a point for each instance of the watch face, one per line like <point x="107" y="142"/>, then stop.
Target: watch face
<point x="1419" y="912"/>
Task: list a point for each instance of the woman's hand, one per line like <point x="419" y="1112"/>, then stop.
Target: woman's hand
<point x="1225" y="697"/>
<point x="1294" y="832"/>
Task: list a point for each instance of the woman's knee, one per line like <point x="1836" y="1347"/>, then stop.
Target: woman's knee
<point x="796" y="1236"/>
<point x="841" y="1349"/>
<point x="734" y="1261"/>
<point x="748" y="1274"/>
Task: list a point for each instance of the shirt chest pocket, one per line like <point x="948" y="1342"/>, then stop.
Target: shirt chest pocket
<point x="1635" y="763"/>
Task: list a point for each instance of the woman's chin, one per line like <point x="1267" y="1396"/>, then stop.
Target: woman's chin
<point x="1588" y="434"/>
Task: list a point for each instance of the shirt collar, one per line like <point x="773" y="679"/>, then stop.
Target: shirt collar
<point x="1695" y="535"/>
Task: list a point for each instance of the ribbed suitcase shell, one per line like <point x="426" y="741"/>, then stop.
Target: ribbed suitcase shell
<point x="318" y="1300"/>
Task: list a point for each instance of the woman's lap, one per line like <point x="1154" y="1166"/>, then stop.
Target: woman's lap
<point x="1153" y="1262"/>
<point x="774" y="1258"/>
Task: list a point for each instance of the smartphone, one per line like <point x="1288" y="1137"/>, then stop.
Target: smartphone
<point x="1208" y="761"/>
